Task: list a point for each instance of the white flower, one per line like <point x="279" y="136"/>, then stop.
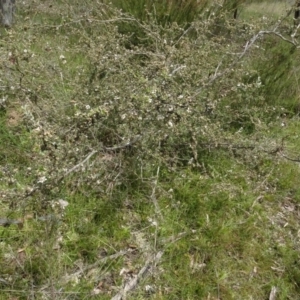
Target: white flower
<point x="42" y="179"/>
<point x="258" y="82"/>
<point x="63" y="59"/>
<point x="170" y="124"/>
<point x="63" y="203"/>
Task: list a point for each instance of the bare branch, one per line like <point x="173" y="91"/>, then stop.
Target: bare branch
<point x="142" y="273"/>
<point x="79" y="165"/>
<point x="291" y="159"/>
<point x="68" y="278"/>
<point x="273" y="293"/>
<point x="132" y="141"/>
<point x="247" y="47"/>
<point x="153" y="196"/>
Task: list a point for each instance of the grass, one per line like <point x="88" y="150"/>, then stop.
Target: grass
<point x="151" y="142"/>
<point x="267" y="8"/>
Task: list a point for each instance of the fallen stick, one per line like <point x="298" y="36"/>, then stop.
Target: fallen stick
<point x="273" y="293"/>
<point x="142" y="273"/>
<point x="69" y="277"/>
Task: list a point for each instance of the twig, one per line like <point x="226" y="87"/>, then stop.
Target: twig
<point x="153" y="196"/>
<point x="135" y="281"/>
<point x="132" y="141"/>
<point x="174" y="238"/>
<point x="7" y="222"/>
<point x="58" y="26"/>
<point x="79" y="165"/>
<point x="183" y="34"/>
<point x="3" y="281"/>
<point x="273" y="293"/>
<point x="247" y="47"/>
<point x="291" y="159"/>
<point x="96" y="264"/>
<point x="39" y="185"/>
<point x="156" y="206"/>
<point x="276" y="150"/>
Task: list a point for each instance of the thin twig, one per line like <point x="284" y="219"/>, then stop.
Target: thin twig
<point x="80" y="164"/>
<point x="153" y="196"/>
<point x="174" y="238"/>
<point x="247" y="47"/>
<point x="273" y="293"/>
<point x="7" y="222"/>
<point x="126" y="145"/>
<point x="96" y="264"/>
<point x="39" y="185"/>
<point x="183" y="34"/>
<point x="291" y="159"/>
<point x="129" y="286"/>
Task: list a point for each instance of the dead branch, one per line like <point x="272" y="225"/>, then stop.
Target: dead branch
<point x="291" y="159"/>
<point x="153" y="196"/>
<point x="79" y="165"/>
<point x="7" y="222"/>
<point x="132" y="141"/>
<point x="273" y="293"/>
<point x="96" y="264"/>
<point x="247" y="47"/>
<point x="39" y="185"/>
<point x="132" y="284"/>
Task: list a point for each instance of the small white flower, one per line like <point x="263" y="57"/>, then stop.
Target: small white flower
<point x="63" y="59"/>
<point x="63" y="203"/>
<point x="258" y="82"/>
<point x="153" y="222"/>
<point x="42" y="179"/>
<point x="2" y="101"/>
<point x="149" y="288"/>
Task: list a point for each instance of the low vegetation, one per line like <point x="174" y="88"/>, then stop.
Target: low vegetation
<point x="149" y="151"/>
